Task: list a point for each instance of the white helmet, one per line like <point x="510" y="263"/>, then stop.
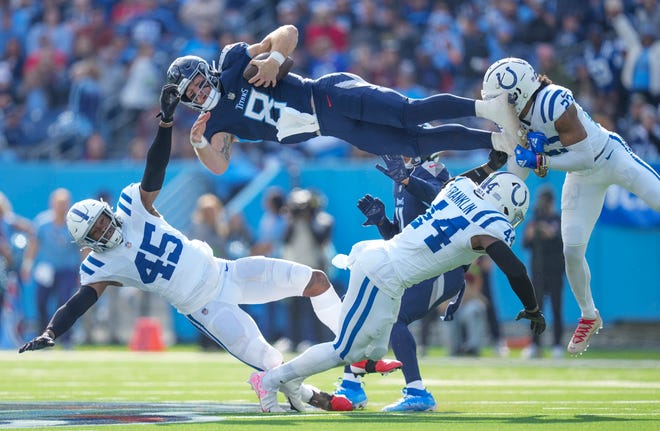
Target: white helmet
<point x="514" y="76"/>
<point x="82" y="217"/>
<point x="508" y="193"/>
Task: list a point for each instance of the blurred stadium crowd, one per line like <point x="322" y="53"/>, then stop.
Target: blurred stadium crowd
<point x="79" y="79"/>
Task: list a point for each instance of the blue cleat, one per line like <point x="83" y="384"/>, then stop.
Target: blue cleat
<point x="353" y="391"/>
<point x="414" y="400"/>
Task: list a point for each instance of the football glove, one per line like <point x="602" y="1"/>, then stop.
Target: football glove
<point x="497" y="159"/>
<point x="537" y="320"/>
<point x="527" y="159"/>
<point x="169" y="98"/>
<point x="537" y="142"/>
<point x="37" y="343"/>
<point x="373" y="209"/>
<point x="396" y="168"/>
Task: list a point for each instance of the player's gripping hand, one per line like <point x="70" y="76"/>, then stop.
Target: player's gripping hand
<point x="537" y="142"/>
<point x="526" y="158"/>
<point x="394" y="168"/>
<point x="169" y="98"/>
<point x="37" y="343"/>
<point x="373" y="209"/>
<point x="536" y="318"/>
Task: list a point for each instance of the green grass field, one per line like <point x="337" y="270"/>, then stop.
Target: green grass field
<point x="601" y="391"/>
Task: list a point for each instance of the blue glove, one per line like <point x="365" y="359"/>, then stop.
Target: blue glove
<point x="537" y="142"/>
<point x="526" y="158"/>
<point x="373" y="208"/>
<point x="396" y="168"/>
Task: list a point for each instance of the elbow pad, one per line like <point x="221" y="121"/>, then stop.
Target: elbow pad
<point x="578" y="158"/>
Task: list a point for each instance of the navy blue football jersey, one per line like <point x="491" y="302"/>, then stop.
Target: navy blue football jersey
<point x="249" y="112"/>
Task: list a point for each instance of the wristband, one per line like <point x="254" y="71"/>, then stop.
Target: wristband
<point x="200" y="145"/>
<point x="541" y="165"/>
<point x="277" y="56"/>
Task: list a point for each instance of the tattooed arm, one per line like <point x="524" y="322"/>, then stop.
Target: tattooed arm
<point x="214" y="155"/>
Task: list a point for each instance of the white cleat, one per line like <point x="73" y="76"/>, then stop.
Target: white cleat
<point x="499" y="111"/>
<point x="267" y="399"/>
<point x="585" y="330"/>
<point x="292" y="390"/>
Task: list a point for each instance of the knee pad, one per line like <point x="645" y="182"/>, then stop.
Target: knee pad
<point x="251" y="268"/>
<point x="291" y="274"/>
<point x="239" y="340"/>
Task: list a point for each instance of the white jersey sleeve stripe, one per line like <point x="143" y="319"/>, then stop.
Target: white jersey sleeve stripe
<point x="547" y="109"/>
<point x="84" y="268"/>
<point x="492" y="219"/>
<point x="551" y="107"/>
<point x="124" y="203"/>
<point x="484" y="213"/>
<point x="95" y="261"/>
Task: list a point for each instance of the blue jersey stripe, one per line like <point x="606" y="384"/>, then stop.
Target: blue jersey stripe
<point x="492" y="220"/>
<point x="94" y="261"/>
<point x="351" y="312"/>
<point x="122" y="207"/>
<point x="126" y="197"/>
<point x="484" y="213"/>
<point x="360" y="322"/>
<point x="551" y="108"/>
<point x="542" y="104"/>
<point x="553" y="139"/>
<point x="86" y="269"/>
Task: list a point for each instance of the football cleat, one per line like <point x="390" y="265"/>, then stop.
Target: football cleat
<point x="292" y="391"/>
<point x="353" y="392"/>
<point x="414" y="400"/>
<point x="328" y="402"/>
<point x="500" y="111"/>
<point x="383" y="366"/>
<point x="267" y="399"/>
<point x="585" y="330"/>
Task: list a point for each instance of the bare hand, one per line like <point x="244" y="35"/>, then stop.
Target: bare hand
<point x="267" y="73"/>
<point x="199" y="127"/>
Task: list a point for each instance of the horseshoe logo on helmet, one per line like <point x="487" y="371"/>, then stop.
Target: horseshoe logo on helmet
<point x="514" y="192"/>
<point x="500" y="79"/>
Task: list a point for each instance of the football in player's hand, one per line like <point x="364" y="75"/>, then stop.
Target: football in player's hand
<point x="252" y="70"/>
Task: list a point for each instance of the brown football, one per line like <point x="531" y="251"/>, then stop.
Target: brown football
<point x="285" y="68"/>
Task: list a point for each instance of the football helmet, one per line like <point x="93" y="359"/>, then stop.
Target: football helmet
<point x="82" y="217"/>
<point x="508" y="193"/>
<point x="184" y="69"/>
<point x="514" y="76"/>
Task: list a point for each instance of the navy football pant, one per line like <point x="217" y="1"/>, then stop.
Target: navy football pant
<point x="382" y="121"/>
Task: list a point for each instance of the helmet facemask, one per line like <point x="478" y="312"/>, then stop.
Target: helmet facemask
<point x="84" y="216"/>
<point x="184" y="70"/>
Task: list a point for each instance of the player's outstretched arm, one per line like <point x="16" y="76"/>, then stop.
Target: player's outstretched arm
<point x="516" y="273"/>
<point x="66" y="316"/>
<point x="158" y="155"/>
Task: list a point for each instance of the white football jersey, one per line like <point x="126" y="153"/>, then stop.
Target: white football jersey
<point x="155" y="257"/>
<point x="551" y="102"/>
<point x="435" y="242"/>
